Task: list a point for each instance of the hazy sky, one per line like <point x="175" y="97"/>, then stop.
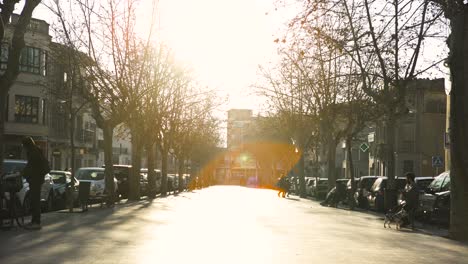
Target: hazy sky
<point x="223" y="41"/>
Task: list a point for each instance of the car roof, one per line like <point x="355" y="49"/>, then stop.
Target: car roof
<point x="59" y="171"/>
<point x="370" y="177"/>
<point x="15" y="160"/>
<point x="91" y="168"/>
<point x="424" y="178"/>
<point x="122" y="166"/>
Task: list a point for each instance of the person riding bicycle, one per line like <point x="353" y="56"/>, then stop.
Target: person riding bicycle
<point x="34" y="172"/>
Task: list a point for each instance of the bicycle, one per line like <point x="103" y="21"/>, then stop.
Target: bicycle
<point x="10" y="204"/>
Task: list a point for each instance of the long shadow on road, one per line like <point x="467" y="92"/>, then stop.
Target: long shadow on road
<point x="68" y="236"/>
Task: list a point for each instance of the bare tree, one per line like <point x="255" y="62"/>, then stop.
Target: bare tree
<point x="14" y="35"/>
<point x="384" y="40"/>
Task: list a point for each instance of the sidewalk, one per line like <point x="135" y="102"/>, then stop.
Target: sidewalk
<point x="425" y="228"/>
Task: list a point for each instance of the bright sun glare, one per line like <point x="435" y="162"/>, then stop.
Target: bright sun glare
<point x="224" y="41"/>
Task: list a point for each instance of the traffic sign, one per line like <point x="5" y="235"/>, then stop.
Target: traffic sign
<point x="364" y="147"/>
<point x="437" y="162"/>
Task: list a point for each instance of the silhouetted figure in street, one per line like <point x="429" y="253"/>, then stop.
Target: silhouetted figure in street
<point x="411" y="197"/>
<point x="283" y="186"/>
<point x="34" y="173"/>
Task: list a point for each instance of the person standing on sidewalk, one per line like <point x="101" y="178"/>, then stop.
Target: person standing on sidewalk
<point x="34" y="172"/>
<point x="411" y="196"/>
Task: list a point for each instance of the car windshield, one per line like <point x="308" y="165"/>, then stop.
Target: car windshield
<point x="436" y="184"/>
<point x="445" y="184"/>
<point x="322" y="182"/>
<point x="379" y="184"/>
<point x="121" y="172"/>
<point x="94" y="175"/>
<point x="12" y="166"/>
<point x="423" y="184"/>
<point x="58" y="178"/>
<point x="367" y="183"/>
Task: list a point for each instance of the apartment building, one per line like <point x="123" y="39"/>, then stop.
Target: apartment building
<point x="27" y="102"/>
<point x="419" y="138"/>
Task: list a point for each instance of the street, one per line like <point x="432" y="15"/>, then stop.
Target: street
<point x="223" y="224"/>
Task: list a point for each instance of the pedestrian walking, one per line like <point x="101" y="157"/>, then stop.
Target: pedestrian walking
<point x="34" y="172"/>
<point x="411" y="197"/>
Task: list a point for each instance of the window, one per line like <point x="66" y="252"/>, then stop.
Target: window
<point x="7" y="106"/>
<point x="4" y="51"/>
<point x="437" y="106"/>
<point x="26" y="109"/>
<point x="33" y="60"/>
<point x="44" y="112"/>
<point x="408" y="166"/>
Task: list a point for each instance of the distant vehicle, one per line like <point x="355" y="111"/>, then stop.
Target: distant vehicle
<point x="171" y="182"/>
<point x="60" y="182"/>
<point x="362" y="190"/>
<point x="144" y="172"/>
<point x="309" y="183"/>
<point x="337" y="194"/>
<point x="186" y="181"/>
<point x="375" y="197"/>
<point x="95" y="176"/>
<point x="122" y="174"/>
<point x="320" y="187"/>
<point x="436" y="195"/>
<point x="15" y="167"/>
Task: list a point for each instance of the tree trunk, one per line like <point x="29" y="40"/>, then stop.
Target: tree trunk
<point x="134" y="180"/>
<point x="164" y="155"/>
<point x="151" y="170"/>
<point x="302" y="191"/>
<point x="72" y="158"/>
<point x="108" y="132"/>
<point x="350" y="171"/>
<point x="181" y="174"/>
<point x="390" y="195"/>
<point x="3" y="119"/>
<point x="458" y="43"/>
<point x="331" y="157"/>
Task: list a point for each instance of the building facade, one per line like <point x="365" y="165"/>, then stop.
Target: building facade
<point x="419" y="138"/>
<point x="27" y="102"/>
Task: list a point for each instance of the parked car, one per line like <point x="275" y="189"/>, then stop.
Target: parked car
<point x="186" y="181"/>
<point x="15" y="167"/>
<point x="375" y="197"/>
<point x="122" y="174"/>
<point x="362" y="190"/>
<point x="144" y="171"/>
<point x="441" y="208"/>
<point x="60" y="182"/>
<point x="438" y="191"/>
<point x="95" y="176"/>
<point x="423" y="182"/>
<point x="309" y="183"/>
<point x="170" y="182"/>
<point x="320" y="187"/>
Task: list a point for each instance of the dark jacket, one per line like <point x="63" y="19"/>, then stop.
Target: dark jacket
<point x="37" y="166"/>
<point x="411" y="196"/>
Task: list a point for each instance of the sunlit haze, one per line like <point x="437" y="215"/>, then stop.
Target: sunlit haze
<point x="224" y="41"/>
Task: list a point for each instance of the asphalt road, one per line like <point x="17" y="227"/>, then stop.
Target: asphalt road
<point x="223" y="224"/>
